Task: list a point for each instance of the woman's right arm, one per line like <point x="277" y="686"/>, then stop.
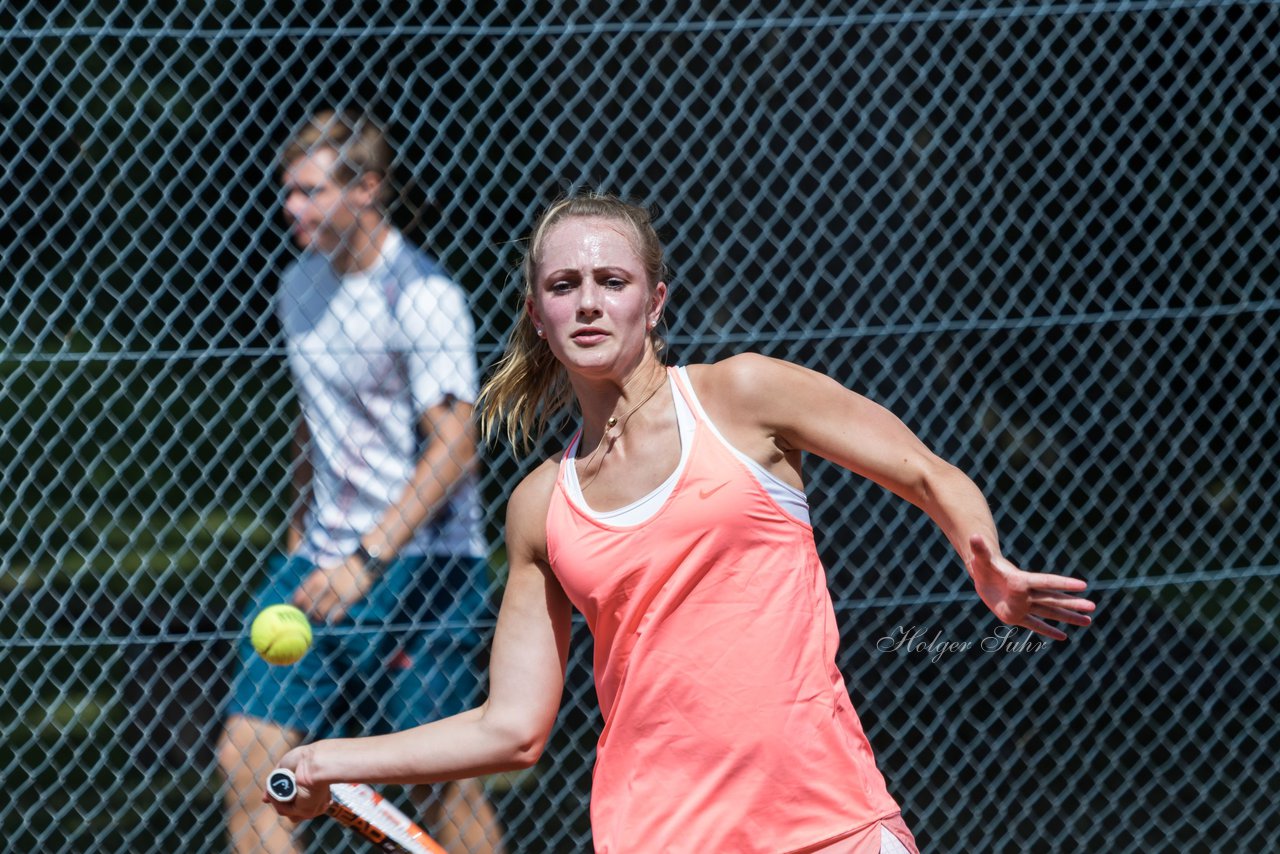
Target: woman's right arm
<point x="526" y="680"/>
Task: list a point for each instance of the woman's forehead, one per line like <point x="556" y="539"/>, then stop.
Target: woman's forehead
<point x="576" y="233"/>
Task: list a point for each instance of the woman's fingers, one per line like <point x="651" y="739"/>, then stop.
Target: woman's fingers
<point x="1066" y="583"/>
<point x="1041" y="627"/>
<point x="1062" y="615"/>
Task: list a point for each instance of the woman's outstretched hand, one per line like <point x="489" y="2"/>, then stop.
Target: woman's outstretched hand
<point x="1027" y="599"/>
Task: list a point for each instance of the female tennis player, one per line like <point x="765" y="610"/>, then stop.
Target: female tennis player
<point x="676" y="522"/>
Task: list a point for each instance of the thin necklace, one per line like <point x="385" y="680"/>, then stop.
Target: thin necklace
<point x="614" y="421"/>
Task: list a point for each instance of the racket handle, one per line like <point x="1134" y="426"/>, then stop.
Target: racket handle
<point x="282" y="785"/>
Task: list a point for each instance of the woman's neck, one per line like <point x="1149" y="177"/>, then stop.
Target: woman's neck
<point x="607" y="405"/>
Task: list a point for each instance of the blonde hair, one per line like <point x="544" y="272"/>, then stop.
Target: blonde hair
<point x="358" y="143"/>
<point x="529" y="385"/>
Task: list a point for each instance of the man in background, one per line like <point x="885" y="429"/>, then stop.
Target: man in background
<point x="384" y="549"/>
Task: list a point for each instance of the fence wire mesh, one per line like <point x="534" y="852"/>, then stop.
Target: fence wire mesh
<point x="1044" y="234"/>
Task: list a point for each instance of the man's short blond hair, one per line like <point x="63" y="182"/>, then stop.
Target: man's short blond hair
<point x="357" y="141"/>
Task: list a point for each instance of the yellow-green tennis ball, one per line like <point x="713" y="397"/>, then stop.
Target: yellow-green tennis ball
<point x="281" y="634"/>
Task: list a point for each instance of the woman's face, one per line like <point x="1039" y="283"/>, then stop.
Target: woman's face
<point x="592" y="298"/>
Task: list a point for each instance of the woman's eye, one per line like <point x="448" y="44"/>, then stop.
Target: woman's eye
<point x="615" y="283"/>
<point x="561" y="286"/>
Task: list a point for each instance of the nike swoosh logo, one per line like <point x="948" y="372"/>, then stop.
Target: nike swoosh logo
<point x="707" y="493"/>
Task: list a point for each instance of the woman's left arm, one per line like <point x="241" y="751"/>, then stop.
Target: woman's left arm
<point x="807" y="411"/>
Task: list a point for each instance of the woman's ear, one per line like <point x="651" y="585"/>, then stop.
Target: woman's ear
<point x="532" y="311"/>
<point x="659" y="301"/>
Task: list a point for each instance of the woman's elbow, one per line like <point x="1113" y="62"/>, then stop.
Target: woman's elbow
<point x="934" y="480"/>
<point x="527" y="753"/>
<point x="521" y="741"/>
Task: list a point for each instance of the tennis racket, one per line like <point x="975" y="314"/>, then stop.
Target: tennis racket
<point x="361" y="809"/>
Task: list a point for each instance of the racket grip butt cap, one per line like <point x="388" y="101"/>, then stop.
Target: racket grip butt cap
<point x="282" y="785"/>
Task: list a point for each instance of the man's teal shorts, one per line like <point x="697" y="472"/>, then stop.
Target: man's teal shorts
<point x="408" y="653"/>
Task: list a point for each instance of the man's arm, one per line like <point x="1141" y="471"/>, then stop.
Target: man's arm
<point x="449" y="456"/>
<point x="302" y="473"/>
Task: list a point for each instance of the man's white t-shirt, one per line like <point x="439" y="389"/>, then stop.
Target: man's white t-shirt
<point x="370" y="352"/>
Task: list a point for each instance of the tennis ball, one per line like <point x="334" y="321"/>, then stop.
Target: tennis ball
<point x="281" y="634"/>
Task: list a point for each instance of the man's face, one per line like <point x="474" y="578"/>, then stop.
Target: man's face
<point x="323" y="213"/>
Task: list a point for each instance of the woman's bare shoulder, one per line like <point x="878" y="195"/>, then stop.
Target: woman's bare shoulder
<point x="533" y="494"/>
<point x="742" y="381"/>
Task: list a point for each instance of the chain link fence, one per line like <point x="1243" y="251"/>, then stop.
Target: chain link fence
<point x="1044" y="234"/>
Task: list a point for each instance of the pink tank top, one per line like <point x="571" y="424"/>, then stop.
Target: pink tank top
<point x="727" y="725"/>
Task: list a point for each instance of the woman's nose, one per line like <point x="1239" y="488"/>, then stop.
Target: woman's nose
<point x="589" y="299"/>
